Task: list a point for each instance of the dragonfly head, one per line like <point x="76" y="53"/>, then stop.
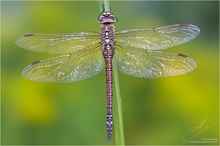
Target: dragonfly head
<point x="107" y="17"/>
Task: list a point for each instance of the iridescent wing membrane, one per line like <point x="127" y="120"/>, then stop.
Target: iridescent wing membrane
<point x="81" y="56"/>
<point x="135" y="53"/>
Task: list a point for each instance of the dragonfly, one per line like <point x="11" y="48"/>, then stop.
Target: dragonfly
<point x="135" y="52"/>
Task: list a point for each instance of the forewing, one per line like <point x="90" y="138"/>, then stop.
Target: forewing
<point x="157" y="38"/>
<point x="152" y="64"/>
<point x="66" y="68"/>
<point x="58" y="43"/>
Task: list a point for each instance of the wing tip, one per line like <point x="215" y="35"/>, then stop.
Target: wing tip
<point x="192" y="27"/>
<point x="19" y="40"/>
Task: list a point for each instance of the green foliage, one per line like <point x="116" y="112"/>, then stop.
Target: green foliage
<point x="155" y="111"/>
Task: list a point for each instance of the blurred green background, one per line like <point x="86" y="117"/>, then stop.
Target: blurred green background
<point x="175" y="110"/>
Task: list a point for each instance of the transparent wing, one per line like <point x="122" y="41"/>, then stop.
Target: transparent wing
<point x="151" y="64"/>
<point x="58" y="43"/>
<point x="157" y="38"/>
<point x="66" y="68"/>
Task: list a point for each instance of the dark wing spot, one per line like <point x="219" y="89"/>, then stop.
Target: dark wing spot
<point x="27" y="35"/>
<point x="35" y="62"/>
<point x="184" y="24"/>
<point x="182" y="55"/>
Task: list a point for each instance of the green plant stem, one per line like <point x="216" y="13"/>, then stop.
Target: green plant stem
<point x="117" y="111"/>
<point x="105" y="3"/>
<point x="117" y="104"/>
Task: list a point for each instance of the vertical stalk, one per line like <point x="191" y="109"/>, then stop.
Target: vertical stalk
<point x="104" y="3"/>
<point x="117" y="111"/>
<point x="117" y="104"/>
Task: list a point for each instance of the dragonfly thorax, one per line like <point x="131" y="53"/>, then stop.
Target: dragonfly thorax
<point x="107" y="17"/>
<point x="107" y="34"/>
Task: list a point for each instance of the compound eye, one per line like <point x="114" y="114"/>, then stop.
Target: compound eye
<point x="107" y="17"/>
